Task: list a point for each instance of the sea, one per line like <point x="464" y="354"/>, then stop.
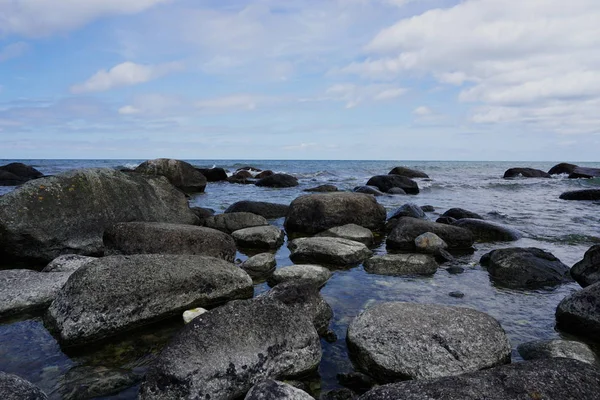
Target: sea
<point x="567" y="229"/>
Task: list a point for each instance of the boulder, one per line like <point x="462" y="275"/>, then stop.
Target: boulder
<point x="335" y="251"/>
<point x="13" y="387"/>
<point x="315" y="213"/>
<point x="401" y="264"/>
<point x="314" y="274"/>
<point x="428" y="208"/>
<point x="259" y="237"/>
<point x="160" y="238"/>
<point x="232" y="222"/>
<point x="67" y="263"/>
<point x="585" y="194"/>
<point x="248" y="168"/>
<point x="221" y="354"/>
<point x="562" y="168"/>
<point x="519" y="267"/>
<point x="264" y="174"/>
<point x="557" y="348"/>
<point x="180" y="173"/>
<point x="322" y="189"/>
<point x="429" y="243"/>
<point x="23" y="290"/>
<point x="275" y="390"/>
<point x="446" y="220"/>
<point x="586" y="173"/>
<point x="587" y="271"/>
<point x="579" y="313"/>
<point x="368" y="190"/>
<point x="21" y="171"/>
<point x="409" y="210"/>
<point x="202" y="213"/>
<point x="525" y="173"/>
<point x="408" y="229"/>
<point x="399" y="341"/>
<point x="386" y="182"/>
<point x="487" y="231"/>
<point x="68" y="213"/>
<point x="93" y="382"/>
<point x="278" y="181"/>
<point x="9" y="179"/>
<point x="396" y="191"/>
<point x="350" y="232"/>
<point x="213" y="174"/>
<point x="554" y="379"/>
<point x="407" y="172"/>
<point x="118" y="293"/>
<point x="242" y="177"/>
<point x="260" y="265"/>
<point x="460" y="213"/>
<point x="262" y="208"/>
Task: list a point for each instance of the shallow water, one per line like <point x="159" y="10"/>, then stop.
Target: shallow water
<point x="567" y="229"/>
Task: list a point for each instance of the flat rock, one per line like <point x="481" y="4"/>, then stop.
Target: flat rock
<point x="579" y="313"/>
<point x="429" y="243"/>
<point x="13" y="387"/>
<point x="322" y="189"/>
<point x="260" y="265"/>
<point x="328" y="250"/>
<point x="408" y="229"/>
<point x="585" y="194"/>
<point x="180" y="173"/>
<point x="262" y="208"/>
<point x="557" y="348"/>
<point x="351" y="232"/>
<point x="487" y="231"/>
<point x="259" y="237"/>
<point x="314" y="274"/>
<point x="401" y="264"/>
<point x="399" y="341"/>
<point x="460" y="213"/>
<point x="118" y="293"/>
<point x="275" y="390"/>
<point x="232" y="222"/>
<point x="409" y="173"/>
<point x="67" y="263"/>
<point x="385" y="182"/>
<point x="278" y="181"/>
<point x="525" y="173"/>
<point x="587" y="271"/>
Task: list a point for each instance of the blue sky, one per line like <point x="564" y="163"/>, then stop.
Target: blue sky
<point x="300" y="79"/>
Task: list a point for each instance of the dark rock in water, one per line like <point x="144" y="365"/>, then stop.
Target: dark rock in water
<point x="159" y="238"/>
<point x="275" y="390"/>
<point x="386" y="182"/>
<point x="399" y="341"/>
<point x="202" y="213"/>
<point x="458" y="295"/>
<point x="407" y="172"/>
<point x="356" y="381"/>
<point x="455" y="270"/>
<point x="401" y="264"/>
<point x="259" y="237"/>
<point x="350" y="232"/>
<point x="459" y="213"/>
<point x="322" y="189"/>
<point x="339" y="394"/>
<point x="543" y="349"/>
<point x="24" y="172"/>
<point x="243" y="174"/>
<point x="586" y="194"/>
<point x="409" y="210"/>
<point x="67" y="263"/>
<point x="180" y="173"/>
<point x="242" y="177"/>
<point x="213" y="174"/>
<point x="587" y="271"/>
<point x="585" y="173"/>
<point x="118" y="293"/>
<point x="525" y="173"/>
<point x="13" y="387"/>
<point x="486" y="231"/>
<point x="368" y="190"/>
<point x="232" y="222"/>
<point x="260" y="265"/>
<point x="408" y="229"/>
<point x="328" y="250"/>
<point x="579" y="313"/>
<point x="525" y="268"/>
<point x="430" y="243"/>
<point x="442" y="256"/>
<point x="554" y="379"/>
<point x="313" y="274"/>
<point x="315" y="213"/>
<point x="446" y="220"/>
<point x="396" y="191"/>
<point x="8" y="179"/>
<point x="562" y="168"/>
<point x="265" y="209"/>
<point x="86" y="382"/>
<point x="428" y="208"/>
<point x="264" y="174"/>
<point x="68" y="213"/>
<point x="223" y="353"/>
<point x="278" y="181"/>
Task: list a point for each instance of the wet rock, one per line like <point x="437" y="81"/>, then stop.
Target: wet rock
<point x="259" y="237"/>
<point x="386" y="182"/>
<point x="275" y="390"/>
<point x="458" y="295"/>
<point x="87" y="382"/>
<point x="202" y="213"/>
<point x="213" y="174"/>
<point x="327" y="250"/>
<point x="22" y="171"/>
<point x="232" y="222"/>
<point x="455" y="270"/>
<point x="180" y="173"/>
<point x="315" y="213"/>
<point x="356" y="381"/>
<point x="579" y="313"/>
<point x="262" y="208"/>
<point x="556" y="379"/>
<point x="587" y="271"/>
<point x="428" y="208"/>
<point x="368" y="190"/>
<point x="401" y="264"/>
<point x="442" y="256"/>
<point x="118" y="293"/>
<point x="586" y="194"/>
<point x="264" y="174"/>
<point x="409" y="210"/>
<point x="159" y="238"/>
<point x="13" y="387"/>
<point x="68" y="213"/>
<point x="313" y="274"/>
<point x="8" y="179"/>
<point x="409" y="173"/>
<point x="585" y="173"/>
<point x="446" y="220"/>
<point x="524" y="268"/>
<point x="189" y="315"/>
<point x="396" y="191"/>
<point x="351" y="232"/>
<point x="525" y="173"/>
<point x="242" y="177"/>
<point x="408" y="229"/>
<point x="460" y="213"/>
<point x="223" y="353"/>
<point x="323" y="189"/>
<point x="67" y="263"/>
<point x="399" y="341"/>
<point x="248" y="168"/>
<point x="339" y="394"/>
<point x="260" y="265"/>
<point x="429" y="243"/>
<point x="487" y="231"/>
<point x="278" y="181"/>
<point x="562" y="168"/>
<point x="23" y="290"/>
<point x="557" y="348"/>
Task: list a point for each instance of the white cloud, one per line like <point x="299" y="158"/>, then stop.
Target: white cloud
<point x="13" y="50"/>
<point x="353" y="94"/>
<point x="125" y="74"/>
<point x="129" y="110"/>
<point x="236" y="101"/>
<point x="422" y="111"/>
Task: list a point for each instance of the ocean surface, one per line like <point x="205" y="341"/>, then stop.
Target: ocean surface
<point x="567" y="229"/>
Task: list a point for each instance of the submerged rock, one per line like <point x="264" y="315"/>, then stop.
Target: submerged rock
<point x="259" y="237"/>
<point x="525" y="173"/>
<point x="408" y="229"/>
<point x="373" y="190"/>
<point x="232" y="222"/>
<point x="487" y="231"/>
<point x="401" y="264"/>
<point x="586" y="194"/>
<point x="275" y="390"/>
<point x="278" y="181"/>
<point x="556" y="348"/>
<point x="328" y="250"/>
<point x="262" y="208"/>
<point x="13" y="387"/>
<point x="67" y="263"/>
<point x="460" y="213"/>
<point x="322" y="189"/>
<point x="313" y="274"/>
<point x="87" y="382"/>
<point x="351" y="232"/>
<point x="579" y="313"/>
<point x="409" y="173"/>
<point x="260" y="265"/>
<point x="180" y="173"/>
<point x="587" y="271"/>
<point x="386" y="182"/>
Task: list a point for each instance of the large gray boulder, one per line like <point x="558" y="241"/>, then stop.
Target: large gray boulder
<point x="221" y="354"/>
<point x="525" y="268"/>
<point x="262" y="208"/>
<point x="587" y="271"/>
<point x="487" y="231"/>
<point x="259" y="237"/>
<point x="213" y="174"/>
<point x="13" y="387"/>
<point x="232" y="222"/>
<point x="408" y="229"/>
<point x="315" y="213"/>
<point x="562" y="168"/>
<point x="278" y="181"/>
<point x="328" y="250"/>
<point x="313" y="274"/>
<point x="429" y="243"/>
<point x="584" y="172"/>
<point x="401" y="264"/>
<point x="460" y="213"/>
<point x="180" y="173"/>
<point x="275" y="390"/>
<point x="579" y="313"/>
<point x="67" y="263"/>
<point x="68" y="213"/>
<point x="557" y="349"/>
<point x="525" y="173"/>
<point x="551" y="379"/>
<point x="161" y="238"/>
<point x="322" y="189"/>
<point x="260" y="265"/>
<point x="407" y="172"/>
<point x="118" y="293"/>
<point x="409" y="210"/>
<point x="17" y="173"/>
<point x="387" y="182"/>
<point x="351" y="232"/>
<point x="399" y="341"/>
<point x="585" y="194"/>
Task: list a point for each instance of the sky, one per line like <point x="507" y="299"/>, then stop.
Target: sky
<point x="300" y="79"/>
